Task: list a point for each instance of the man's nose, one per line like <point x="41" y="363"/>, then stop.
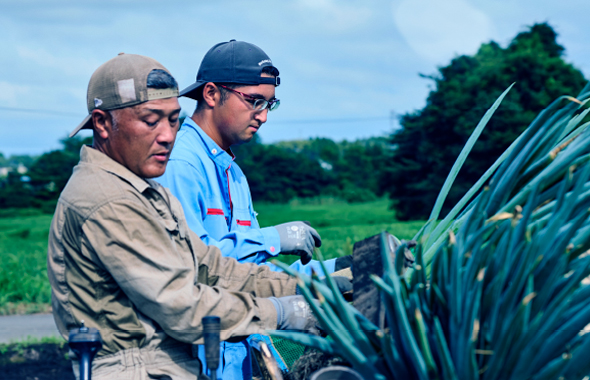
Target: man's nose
<point x="261" y="116"/>
<point x="167" y="134"/>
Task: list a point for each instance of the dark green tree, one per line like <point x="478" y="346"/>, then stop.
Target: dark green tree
<point x="15" y="192"/>
<point x="52" y="170"/>
<point x="45" y="179"/>
<point x="430" y="139"/>
<point x="276" y="174"/>
<point x="317" y="166"/>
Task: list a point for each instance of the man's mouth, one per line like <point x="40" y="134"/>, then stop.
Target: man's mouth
<point x="162" y="156"/>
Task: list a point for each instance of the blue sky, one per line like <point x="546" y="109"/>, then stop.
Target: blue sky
<point x="346" y="66"/>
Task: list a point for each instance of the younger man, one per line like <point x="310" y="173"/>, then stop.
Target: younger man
<point x="235" y="90"/>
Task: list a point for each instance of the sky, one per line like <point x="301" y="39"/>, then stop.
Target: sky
<point x="348" y="69"/>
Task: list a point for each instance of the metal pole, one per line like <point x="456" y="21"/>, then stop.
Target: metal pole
<point x="211" y="326"/>
<point x="85" y="342"/>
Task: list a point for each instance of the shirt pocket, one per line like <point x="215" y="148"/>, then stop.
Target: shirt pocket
<point x="242" y="220"/>
<point x="215" y="221"/>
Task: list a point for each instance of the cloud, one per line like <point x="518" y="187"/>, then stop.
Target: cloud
<point x="338" y="58"/>
<point x="11" y="93"/>
<point x="437" y="29"/>
<point x="72" y="64"/>
<point x="332" y="16"/>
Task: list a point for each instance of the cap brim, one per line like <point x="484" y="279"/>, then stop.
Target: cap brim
<point x="85" y="124"/>
<point x="192" y="91"/>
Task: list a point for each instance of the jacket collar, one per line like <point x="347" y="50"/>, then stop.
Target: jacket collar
<point x="214" y="151"/>
<point x="92" y="156"/>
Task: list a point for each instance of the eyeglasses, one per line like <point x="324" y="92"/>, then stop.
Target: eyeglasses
<point x="257" y="103"/>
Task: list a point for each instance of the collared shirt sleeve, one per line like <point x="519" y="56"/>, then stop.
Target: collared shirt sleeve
<point x="154" y="265"/>
<point x="186" y="183"/>
<point x="309" y="268"/>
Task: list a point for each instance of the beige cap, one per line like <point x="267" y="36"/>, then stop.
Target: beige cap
<point x="122" y="82"/>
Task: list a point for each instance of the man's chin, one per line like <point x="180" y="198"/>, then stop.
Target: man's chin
<point x="154" y="171"/>
<point x="248" y="138"/>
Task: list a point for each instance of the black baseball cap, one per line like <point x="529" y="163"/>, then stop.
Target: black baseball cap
<point x="236" y="62"/>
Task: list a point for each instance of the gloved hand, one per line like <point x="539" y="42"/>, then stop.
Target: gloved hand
<point x="298" y="238"/>
<point x="294" y="313"/>
<point x="344" y="284"/>
<point x="343" y="262"/>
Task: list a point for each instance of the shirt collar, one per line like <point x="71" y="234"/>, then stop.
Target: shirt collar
<point x="214" y="151"/>
<point x="92" y="156"/>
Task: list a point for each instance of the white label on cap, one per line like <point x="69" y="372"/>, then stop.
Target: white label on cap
<point x="264" y="61"/>
<point x="97" y="102"/>
<point x="126" y="90"/>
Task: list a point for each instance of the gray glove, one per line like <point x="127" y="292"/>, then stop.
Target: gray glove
<point x="344" y="285"/>
<point x="298" y="238"/>
<point x="294" y="313"/>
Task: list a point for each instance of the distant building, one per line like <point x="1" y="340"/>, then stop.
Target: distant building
<point x="21" y="169"/>
<point x="325" y="165"/>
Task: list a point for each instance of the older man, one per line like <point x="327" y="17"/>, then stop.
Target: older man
<point x="121" y="257"/>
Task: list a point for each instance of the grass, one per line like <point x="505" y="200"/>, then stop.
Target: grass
<point x="18" y="345"/>
<point x="340" y="224"/>
<point x="46" y="358"/>
<point x="24" y="287"/>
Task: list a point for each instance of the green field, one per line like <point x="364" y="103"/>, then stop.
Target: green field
<point x="24" y="287"/>
<point x="340" y="224"/>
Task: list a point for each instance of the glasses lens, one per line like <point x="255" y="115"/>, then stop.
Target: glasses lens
<point x="274" y="104"/>
<point x="260" y="104"/>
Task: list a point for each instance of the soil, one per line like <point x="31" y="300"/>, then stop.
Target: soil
<point x="49" y="361"/>
<point x="311" y="361"/>
<point x="35" y="362"/>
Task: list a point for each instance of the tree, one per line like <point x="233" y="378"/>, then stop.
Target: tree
<point x="430" y="139"/>
<point x="51" y="172"/>
<point x="277" y="174"/>
<point x="317" y="166"/>
<point x="15" y="193"/>
<point x="46" y="178"/>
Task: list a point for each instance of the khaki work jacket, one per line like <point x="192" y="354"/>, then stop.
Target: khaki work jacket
<point x="122" y="258"/>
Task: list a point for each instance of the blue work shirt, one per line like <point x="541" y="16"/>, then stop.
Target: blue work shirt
<point x="216" y="200"/>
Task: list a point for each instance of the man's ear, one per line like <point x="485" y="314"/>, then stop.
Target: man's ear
<point x="211" y="94"/>
<point x="102" y="123"/>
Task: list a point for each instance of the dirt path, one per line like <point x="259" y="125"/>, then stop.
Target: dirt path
<point x="15" y="328"/>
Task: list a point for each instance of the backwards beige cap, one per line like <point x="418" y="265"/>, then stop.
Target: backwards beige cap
<point x="122" y="82"/>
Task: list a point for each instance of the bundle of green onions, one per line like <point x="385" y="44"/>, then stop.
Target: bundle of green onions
<point x="498" y="289"/>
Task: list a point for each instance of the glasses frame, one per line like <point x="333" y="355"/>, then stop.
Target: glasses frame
<point x="263" y="103"/>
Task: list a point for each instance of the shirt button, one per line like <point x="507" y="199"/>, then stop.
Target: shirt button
<point x="214" y="151"/>
<point x="272" y="249"/>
